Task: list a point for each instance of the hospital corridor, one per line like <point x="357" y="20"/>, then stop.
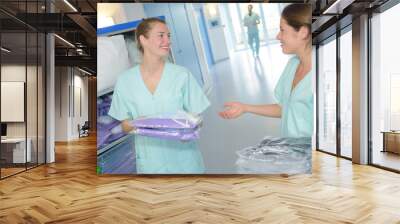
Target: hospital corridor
<point x="240" y="78"/>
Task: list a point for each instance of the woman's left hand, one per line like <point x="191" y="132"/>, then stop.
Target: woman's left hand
<point x="233" y="110"/>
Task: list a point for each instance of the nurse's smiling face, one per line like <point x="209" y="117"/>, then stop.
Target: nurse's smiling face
<point x="292" y="41"/>
<point x="158" y="40"/>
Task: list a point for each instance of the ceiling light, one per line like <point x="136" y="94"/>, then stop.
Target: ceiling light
<point x="64" y="40"/>
<point x="212" y="10"/>
<point x="5" y="50"/>
<point x="86" y="72"/>
<point x="70" y="5"/>
<point x="104" y="21"/>
<point x="79" y="51"/>
<point x="338" y="6"/>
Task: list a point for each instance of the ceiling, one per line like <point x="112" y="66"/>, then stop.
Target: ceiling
<point x="76" y="26"/>
<point x="332" y="15"/>
<point x="79" y="27"/>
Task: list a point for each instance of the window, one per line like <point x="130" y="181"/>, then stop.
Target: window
<point x="394" y="101"/>
<point x="385" y="89"/>
<point x="346" y="93"/>
<point x="327" y="96"/>
<point x="22" y="64"/>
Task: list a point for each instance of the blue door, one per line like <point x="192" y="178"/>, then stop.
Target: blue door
<point x="204" y="36"/>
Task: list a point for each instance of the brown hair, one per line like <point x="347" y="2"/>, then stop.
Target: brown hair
<point x="143" y="29"/>
<point x="298" y="15"/>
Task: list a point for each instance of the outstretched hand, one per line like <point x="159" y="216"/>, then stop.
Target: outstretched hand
<point x="232" y="110"/>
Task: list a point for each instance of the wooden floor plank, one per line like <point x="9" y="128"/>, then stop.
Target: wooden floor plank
<point x="70" y="191"/>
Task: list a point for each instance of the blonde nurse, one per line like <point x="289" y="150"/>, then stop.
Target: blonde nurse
<point x="158" y="87"/>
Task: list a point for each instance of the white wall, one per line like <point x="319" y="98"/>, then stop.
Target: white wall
<point x="78" y="118"/>
<point x="68" y="81"/>
<point x="61" y="103"/>
<point x="33" y="127"/>
<point x="14" y="73"/>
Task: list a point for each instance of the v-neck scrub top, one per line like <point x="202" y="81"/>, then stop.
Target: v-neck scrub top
<point x="250" y="21"/>
<point x="297" y="104"/>
<point x="176" y="90"/>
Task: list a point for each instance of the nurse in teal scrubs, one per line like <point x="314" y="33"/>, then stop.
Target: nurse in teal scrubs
<point x="157" y="87"/>
<point x="251" y="20"/>
<point x="294" y="91"/>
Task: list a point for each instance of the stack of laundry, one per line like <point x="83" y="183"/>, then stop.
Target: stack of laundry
<point x="181" y="126"/>
<point x="106" y="123"/>
<point x="276" y="155"/>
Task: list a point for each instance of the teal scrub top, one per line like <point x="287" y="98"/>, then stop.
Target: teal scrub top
<point x="176" y="90"/>
<point x="251" y="22"/>
<point x="297" y="104"/>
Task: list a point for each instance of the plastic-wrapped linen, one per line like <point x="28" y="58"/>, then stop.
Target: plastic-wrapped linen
<point x="106" y="123"/>
<point x="179" y="120"/>
<point x="172" y="134"/>
<point x="181" y="126"/>
<point x="276" y="156"/>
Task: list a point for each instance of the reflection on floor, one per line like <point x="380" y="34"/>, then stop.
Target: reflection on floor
<point x="327" y="144"/>
<point x="70" y="191"/>
<point x="387" y="159"/>
<point x="10" y="171"/>
<point x="247" y="79"/>
<point x="346" y="151"/>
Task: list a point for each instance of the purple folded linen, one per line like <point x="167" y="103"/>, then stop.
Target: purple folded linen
<point x="164" y="123"/>
<point x="178" y="120"/>
<point x="178" y="126"/>
<point x="170" y="134"/>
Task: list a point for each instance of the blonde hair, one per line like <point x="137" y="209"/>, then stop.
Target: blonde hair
<point x="143" y="29"/>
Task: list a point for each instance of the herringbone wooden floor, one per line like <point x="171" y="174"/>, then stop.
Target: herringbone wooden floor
<point x="69" y="191"/>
